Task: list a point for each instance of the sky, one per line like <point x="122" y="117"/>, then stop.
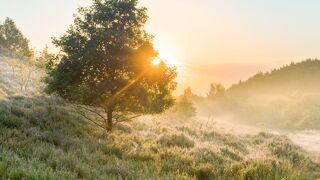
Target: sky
<point x="208" y="40"/>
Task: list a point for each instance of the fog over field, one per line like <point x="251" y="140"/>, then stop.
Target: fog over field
<point x="308" y="139"/>
<point x="114" y="101"/>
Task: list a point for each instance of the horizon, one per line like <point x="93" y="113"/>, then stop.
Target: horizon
<point x="235" y="39"/>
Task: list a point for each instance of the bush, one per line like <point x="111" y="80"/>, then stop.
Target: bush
<point x="177" y="140"/>
<point x="17" y="111"/>
<point x="184" y="108"/>
<point x="11" y="121"/>
<point x="205" y="172"/>
<point x="56" y="138"/>
<point x="207" y="155"/>
<point x="176" y="161"/>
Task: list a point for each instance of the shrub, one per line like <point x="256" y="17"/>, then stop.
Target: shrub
<point x="176" y="161"/>
<point x="112" y="150"/>
<point x="184" y="108"/>
<point x="17" y="111"/>
<point x="54" y="137"/>
<point x="205" y="172"/>
<point x="207" y="155"/>
<point x="177" y="140"/>
<point x="11" y="121"/>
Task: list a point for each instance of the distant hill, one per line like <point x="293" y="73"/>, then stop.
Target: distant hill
<point x="287" y="97"/>
<point x="300" y="77"/>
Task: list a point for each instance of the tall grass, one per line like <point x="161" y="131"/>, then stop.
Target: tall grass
<point x="41" y="138"/>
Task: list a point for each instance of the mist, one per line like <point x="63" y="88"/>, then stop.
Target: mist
<point x="113" y="101"/>
<point x="284" y="101"/>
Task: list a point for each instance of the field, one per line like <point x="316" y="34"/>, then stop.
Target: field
<point x="42" y="138"/>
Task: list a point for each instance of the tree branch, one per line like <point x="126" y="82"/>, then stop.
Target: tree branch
<point x="126" y="119"/>
<point x="117" y="118"/>
<point x="90" y="110"/>
<point x="86" y="117"/>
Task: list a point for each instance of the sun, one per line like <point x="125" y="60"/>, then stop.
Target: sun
<point x="167" y="58"/>
<point x="167" y="54"/>
<point x="156" y="61"/>
<point x="169" y="63"/>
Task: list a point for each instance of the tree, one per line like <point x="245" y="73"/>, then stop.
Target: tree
<point x="184" y="108"/>
<point x="24" y="75"/>
<point x="216" y="90"/>
<point x="47" y="60"/>
<point x="11" y="39"/>
<point x="107" y="64"/>
<point x="191" y="96"/>
<point x="188" y="93"/>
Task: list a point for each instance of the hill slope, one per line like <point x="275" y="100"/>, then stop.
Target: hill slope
<point x="42" y="138"/>
<point x="302" y="77"/>
<point x="288" y="97"/>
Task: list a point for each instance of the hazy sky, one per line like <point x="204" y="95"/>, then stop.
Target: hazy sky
<point x="209" y="40"/>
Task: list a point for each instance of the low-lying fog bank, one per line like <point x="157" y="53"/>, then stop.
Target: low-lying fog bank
<point x="307" y="139"/>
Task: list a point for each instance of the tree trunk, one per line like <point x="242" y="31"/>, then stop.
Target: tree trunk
<point x="110" y="122"/>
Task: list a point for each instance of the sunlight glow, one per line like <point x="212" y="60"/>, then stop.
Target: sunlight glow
<point x="168" y="52"/>
<point x="156" y="62"/>
<point x="170" y="63"/>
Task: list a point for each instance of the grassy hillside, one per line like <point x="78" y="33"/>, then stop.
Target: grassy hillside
<point x="42" y="138"/>
<point x="288" y="97"/>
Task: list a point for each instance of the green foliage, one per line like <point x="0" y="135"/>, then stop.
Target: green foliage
<point x="11" y="121"/>
<point x="107" y="62"/>
<point x="47" y="60"/>
<point x="12" y="40"/>
<point x="184" y="108"/>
